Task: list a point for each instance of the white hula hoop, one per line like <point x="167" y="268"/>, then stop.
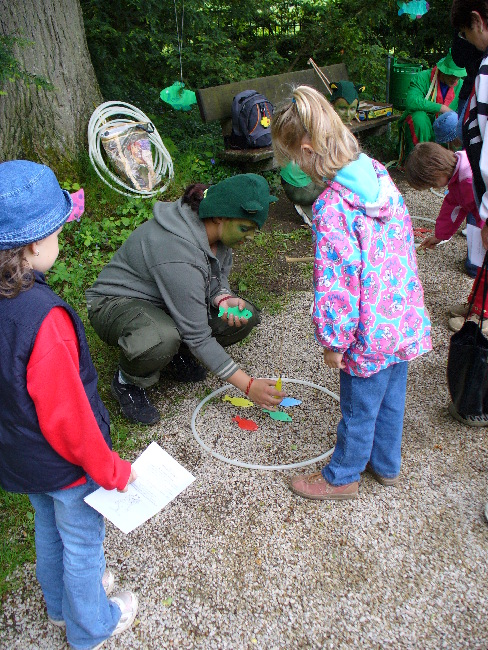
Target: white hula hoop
<point x="239" y="463"/>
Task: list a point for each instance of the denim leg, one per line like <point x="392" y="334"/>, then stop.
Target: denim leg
<point x="360" y="401"/>
<point x="387" y="444"/>
<point x="90" y="617"/>
<point x="49" y="553"/>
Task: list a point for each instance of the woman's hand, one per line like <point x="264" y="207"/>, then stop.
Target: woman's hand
<point x="264" y="394"/>
<point x="233" y="321"/>
<point x="430" y="242"/>
<point x="334" y="359"/>
<point x="132" y="478"/>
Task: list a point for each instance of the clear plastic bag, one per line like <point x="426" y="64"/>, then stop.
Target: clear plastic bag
<point x="129" y="149"/>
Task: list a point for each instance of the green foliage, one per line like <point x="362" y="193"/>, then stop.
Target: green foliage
<point x="136" y="46"/>
<point x="11" y="69"/>
<point x="16" y="536"/>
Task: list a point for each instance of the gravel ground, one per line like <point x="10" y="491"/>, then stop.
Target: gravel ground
<point x="237" y="561"/>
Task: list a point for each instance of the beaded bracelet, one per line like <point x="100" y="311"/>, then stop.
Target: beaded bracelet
<point x="222" y="300"/>
<point x="246" y="392"/>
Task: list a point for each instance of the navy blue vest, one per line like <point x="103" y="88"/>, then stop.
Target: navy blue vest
<point x="27" y="462"/>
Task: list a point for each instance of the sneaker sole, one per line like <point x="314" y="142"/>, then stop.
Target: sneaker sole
<point x="335" y="497"/>
<point x="126" y="626"/>
<point x="469" y="423"/>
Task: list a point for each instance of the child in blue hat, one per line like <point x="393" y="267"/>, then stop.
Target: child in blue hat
<point x="54" y="429"/>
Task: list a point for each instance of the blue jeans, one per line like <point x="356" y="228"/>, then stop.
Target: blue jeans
<point x="70" y="564"/>
<point x="371" y="426"/>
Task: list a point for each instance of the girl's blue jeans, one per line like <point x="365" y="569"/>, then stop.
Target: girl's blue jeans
<point x="71" y="563"/>
<point x="370" y="430"/>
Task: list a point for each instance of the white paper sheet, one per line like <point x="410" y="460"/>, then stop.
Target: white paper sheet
<point x="475" y="245"/>
<point x="160" y="478"/>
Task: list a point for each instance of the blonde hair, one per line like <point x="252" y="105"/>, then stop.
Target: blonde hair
<point x="310" y="114"/>
<point x="427" y="163"/>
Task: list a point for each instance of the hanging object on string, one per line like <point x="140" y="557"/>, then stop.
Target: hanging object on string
<point x="321" y="75"/>
<point x="123" y="136"/>
<point x="176" y="95"/>
<point x="414" y="9"/>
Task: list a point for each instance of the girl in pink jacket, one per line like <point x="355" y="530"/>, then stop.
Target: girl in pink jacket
<point x="368" y="312"/>
<point x="431" y="165"/>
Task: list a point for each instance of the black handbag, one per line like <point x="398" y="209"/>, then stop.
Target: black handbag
<point x="467" y="362"/>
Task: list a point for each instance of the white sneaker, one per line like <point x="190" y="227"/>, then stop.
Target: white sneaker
<point x="306" y="213"/>
<point x="128" y="603"/>
<point x="108" y="581"/>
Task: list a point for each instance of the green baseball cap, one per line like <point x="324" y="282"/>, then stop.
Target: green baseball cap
<point x="447" y="66"/>
<point x="245" y="196"/>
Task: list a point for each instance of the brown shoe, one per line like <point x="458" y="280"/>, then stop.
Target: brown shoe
<point x="460" y="309"/>
<point x="314" y="486"/>
<point x="383" y="480"/>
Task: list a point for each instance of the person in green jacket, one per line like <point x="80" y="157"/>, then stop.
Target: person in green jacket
<point x="430" y="94"/>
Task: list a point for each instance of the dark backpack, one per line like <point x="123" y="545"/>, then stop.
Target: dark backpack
<point x="251" y="120"/>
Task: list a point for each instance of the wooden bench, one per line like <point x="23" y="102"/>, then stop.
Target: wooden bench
<point x="215" y="104"/>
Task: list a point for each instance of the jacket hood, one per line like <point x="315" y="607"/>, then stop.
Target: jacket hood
<point x="366" y="186"/>
<point x="180" y="220"/>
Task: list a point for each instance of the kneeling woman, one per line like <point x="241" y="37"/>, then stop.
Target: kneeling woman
<point x="159" y="297"/>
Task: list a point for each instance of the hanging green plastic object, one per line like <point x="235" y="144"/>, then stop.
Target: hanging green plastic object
<point x="177" y="97"/>
<point x="414" y="9"/>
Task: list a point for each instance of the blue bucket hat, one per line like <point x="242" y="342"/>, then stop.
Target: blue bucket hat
<point x="445" y="127"/>
<point x="32" y="204"/>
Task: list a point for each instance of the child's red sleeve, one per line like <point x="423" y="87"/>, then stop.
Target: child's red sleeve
<point x="65" y="416"/>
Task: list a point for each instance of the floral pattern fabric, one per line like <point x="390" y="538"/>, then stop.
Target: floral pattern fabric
<point x="369" y="302"/>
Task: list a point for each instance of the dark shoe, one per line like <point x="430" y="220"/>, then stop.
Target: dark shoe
<point x="383" y="480"/>
<point x="314" y="486"/>
<point x="133" y="401"/>
<point x="185" y="368"/>
<point x="468" y="420"/>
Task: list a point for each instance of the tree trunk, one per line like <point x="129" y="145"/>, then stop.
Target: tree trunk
<point x="49" y="126"/>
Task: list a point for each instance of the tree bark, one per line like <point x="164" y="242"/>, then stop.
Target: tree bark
<point x="48" y="126"/>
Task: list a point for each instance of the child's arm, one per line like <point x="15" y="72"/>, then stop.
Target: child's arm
<point x="337" y="271"/>
<point x="65" y="415"/>
<point x="333" y="359"/>
<point x="454" y="209"/>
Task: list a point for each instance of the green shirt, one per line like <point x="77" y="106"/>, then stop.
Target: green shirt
<point x="293" y="175"/>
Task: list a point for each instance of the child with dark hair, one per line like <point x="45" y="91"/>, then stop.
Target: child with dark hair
<point x="54" y="429"/>
<point x="431" y="165"/>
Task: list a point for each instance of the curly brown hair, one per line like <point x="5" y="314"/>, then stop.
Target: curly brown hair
<point x="15" y="275"/>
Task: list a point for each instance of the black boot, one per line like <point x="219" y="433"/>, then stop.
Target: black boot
<point x="133" y="401"/>
<point x="184" y="367"/>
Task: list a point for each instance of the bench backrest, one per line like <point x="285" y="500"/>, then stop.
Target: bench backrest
<point x="215" y="102"/>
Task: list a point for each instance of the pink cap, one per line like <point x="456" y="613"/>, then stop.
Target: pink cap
<point x="78" y="199"/>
